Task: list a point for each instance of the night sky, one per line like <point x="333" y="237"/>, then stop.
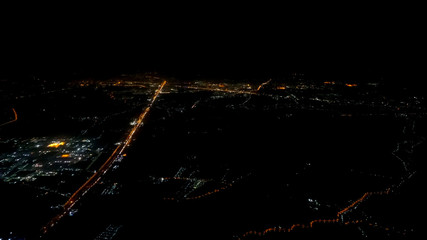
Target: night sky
<point x="345" y="42"/>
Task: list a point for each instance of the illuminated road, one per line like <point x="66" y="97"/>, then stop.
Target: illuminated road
<point x="262" y="84"/>
<point x="96" y="177"/>
<point x="14" y="120"/>
<point x="339" y="219"/>
<point x="224" y="187"/>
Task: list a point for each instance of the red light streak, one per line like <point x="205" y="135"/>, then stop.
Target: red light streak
<point x="14" y="120"/>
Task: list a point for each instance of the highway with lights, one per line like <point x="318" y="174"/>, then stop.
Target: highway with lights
<point x="97" y="176"/>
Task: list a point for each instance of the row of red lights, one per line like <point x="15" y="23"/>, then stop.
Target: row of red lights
<point x="335" y="220"/>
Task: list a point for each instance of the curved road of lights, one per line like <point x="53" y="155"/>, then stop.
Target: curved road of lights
<point x="14" y="120"/>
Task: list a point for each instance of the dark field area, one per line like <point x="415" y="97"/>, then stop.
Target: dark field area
<point x="284" y="169"/>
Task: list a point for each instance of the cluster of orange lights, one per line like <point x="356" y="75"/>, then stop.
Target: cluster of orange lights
<point x="347" y="84"/>
<point x="323" y="221"/>
<point x="56" y="144"/>
<point x="65" y="155"/>
<point x="221" y="90"/>
<point x="329" y="83"/>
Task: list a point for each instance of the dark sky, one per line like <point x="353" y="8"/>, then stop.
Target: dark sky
<point x="348" y="41"/>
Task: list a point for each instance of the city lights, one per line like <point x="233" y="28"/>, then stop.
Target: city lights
<point x="284" y="149"/>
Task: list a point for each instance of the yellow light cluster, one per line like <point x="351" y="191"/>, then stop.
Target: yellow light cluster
<point x="56" y="144"/>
